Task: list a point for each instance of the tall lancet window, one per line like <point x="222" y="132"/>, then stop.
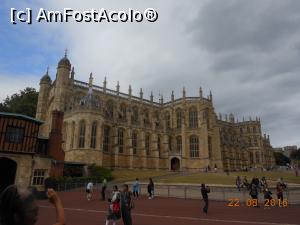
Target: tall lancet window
<point x="81" y="134"/>
<point x="194" y="146"/>
<point x="179" y="118"/>
<point x="134" y="142"/>
<point x="106" y="131"/>
<point x="93" y="135"/>
<point x="147" y="143"/>
<point x="121" y="140"/>
<point x="158" y="145"/>
<point x="193" y="118"/>
<point x="178" y="144"/>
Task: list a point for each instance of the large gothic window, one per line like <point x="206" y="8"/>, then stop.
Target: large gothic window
<point x="194" y="146"/>
<point x="93" y="135"/>
<point x="255" y="142"/>
<point x="146" y="117"/>
<point x="81" y="134"/>
<point x="193" y="118"/>
<point x="135" y="115"/>
<point x="257" y="157"/>
<point x="121" y="140"/>
<point x="156" y="119"/>
<point x="209" y="147"/>
<point x="168" y="120"/>
<point x="147" y="143"/>
<point x="249" y="142"/>
<point x="158" y="145"/>
<point x="178" y="144"/>
<point x="134" y="142"/>
<point x="179" y="118"/>
<point x="106" y="131"/>
<point x="73" y="134"/>
<point x="251" y="157"/>
<point x="122" y="113"/>
<point x="248" y="129"/>
<point x="109" y="109"/>
<point x="170" y="142"/>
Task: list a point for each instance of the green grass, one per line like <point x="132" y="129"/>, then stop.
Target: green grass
<point x="198" y="178"/>
<point x="222" y="178"/>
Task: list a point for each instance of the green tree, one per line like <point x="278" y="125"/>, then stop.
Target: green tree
<point x="295" y="155"/>
<point x="24" y="102"/>
<point x="99" y="172"/>
<point x="281" y="159"/>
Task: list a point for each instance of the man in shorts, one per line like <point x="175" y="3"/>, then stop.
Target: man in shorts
<point x="89" y="191"/>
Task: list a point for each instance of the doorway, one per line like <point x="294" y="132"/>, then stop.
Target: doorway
<point x="175" y="164"/>
<point x="8" y="169"/>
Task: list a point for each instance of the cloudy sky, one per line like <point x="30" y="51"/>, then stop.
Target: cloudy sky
<point x="246" y="52"/>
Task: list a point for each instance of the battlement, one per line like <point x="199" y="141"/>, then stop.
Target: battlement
<point x="108" y="91"/>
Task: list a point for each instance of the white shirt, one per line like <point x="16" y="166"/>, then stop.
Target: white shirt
<point x="89" y="186"/>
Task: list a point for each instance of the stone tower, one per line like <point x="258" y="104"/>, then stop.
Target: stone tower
<point x="45" y="83"/>
<point x="61" y="83"/>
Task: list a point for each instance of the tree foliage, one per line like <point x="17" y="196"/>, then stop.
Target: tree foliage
<point x="281" y="159"/>
<point x="99" y="172"/>
<point x="24" y="102"/>
<point x="295" y="155"/>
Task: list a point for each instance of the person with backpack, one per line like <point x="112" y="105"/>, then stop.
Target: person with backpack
<point x="127" y="205"/>
<point x="204" y="191"/>
<point x="114" y="209"/>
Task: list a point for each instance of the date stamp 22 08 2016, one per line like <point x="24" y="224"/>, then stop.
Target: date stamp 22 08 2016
<point x="236" y="202"/>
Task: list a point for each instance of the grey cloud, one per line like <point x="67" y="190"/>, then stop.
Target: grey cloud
<point x="247" y="52"/>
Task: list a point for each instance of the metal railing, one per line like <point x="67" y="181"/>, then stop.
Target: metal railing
<point x="218" y="193"/>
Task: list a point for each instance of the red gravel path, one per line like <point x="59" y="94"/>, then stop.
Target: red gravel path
<point x="168" y="211"/>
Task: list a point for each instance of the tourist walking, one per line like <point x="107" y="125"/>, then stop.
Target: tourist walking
<point x="256" y="182"/>
<point x="254" y="194"/>
<point x="150" y="188"/>
<point x="267" y="198"/>
<point x="89" y="190"/>
<point x="103" y="188"/>
<point x="263" y="183"/>
<point x="204" y="191"/>
<point x="246" y="183"/>
<point x="126" y="205"/>
<point x="280" y="187"/>
<point x="114" y="209"/>
<point x="136" y="188"/>
<point x="238" y="183"/>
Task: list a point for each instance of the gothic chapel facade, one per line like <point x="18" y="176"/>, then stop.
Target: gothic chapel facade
<point x="119" y="130"/>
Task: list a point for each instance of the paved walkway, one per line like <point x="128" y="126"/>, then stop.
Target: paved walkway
<point x="169" y="211"/>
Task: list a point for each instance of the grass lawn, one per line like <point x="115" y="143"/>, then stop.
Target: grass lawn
<point x="222" y="178"/>
<point x="201" y="177"/>
<point x="131" y="175"/>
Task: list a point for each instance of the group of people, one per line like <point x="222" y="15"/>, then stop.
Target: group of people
<point x="120" y="202"/>
<point x="120" y="205"/>
<point x="257" y="186"/>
